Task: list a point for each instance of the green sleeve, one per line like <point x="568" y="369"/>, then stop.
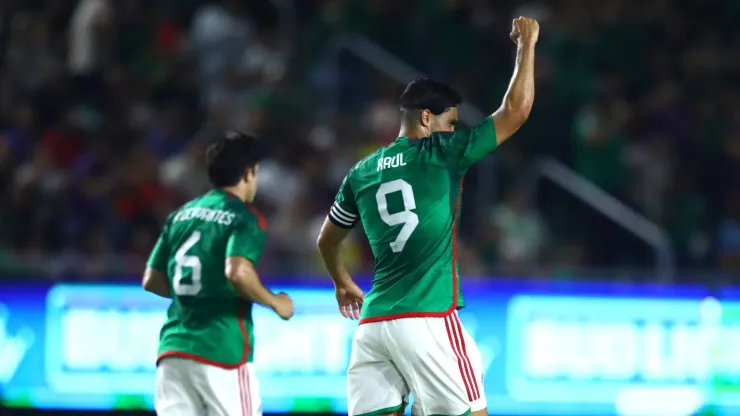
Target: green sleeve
<point x="470" y="146"/>
<point x="247" y="239"/>
<point x="160" y="255"/>
<point x="343" y="212"/>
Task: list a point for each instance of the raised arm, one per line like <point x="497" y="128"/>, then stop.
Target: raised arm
<point x="519" y="98"/>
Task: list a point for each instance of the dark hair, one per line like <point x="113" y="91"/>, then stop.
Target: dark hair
<point x="428" y="94"/>
<point x="228" y="158"/>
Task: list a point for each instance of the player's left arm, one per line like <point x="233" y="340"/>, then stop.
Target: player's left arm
<point x="470" y="146"/>
<point x="155" y="276"/>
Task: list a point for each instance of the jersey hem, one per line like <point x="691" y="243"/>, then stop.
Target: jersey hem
<point x="381" y="411"/>
<point x="215" y="363"/>
<point x="202" y="360"/>
<point x="462" y="414"/>
<point x="453" y="307"/>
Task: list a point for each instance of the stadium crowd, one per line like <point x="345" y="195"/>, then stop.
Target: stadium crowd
<point x="106" y="107"/>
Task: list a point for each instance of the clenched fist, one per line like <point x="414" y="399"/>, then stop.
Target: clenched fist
<point x="524" y="30"/>
<point x="283" y="306"/>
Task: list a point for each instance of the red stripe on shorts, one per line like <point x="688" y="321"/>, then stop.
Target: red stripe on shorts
<point x="476" y="390"/>
<point x="243" y="389"/>
<point x="462" y="354"/>
<point x="249" y="391"/>
<point x="465" y="378"/>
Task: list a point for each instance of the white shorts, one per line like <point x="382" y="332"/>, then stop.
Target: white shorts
<point x="434" y="359"/>
<point x="186" y="387"/>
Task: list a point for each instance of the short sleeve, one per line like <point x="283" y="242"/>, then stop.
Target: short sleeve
<point x="343" y="212"/>
<point x="247" y="239"/>
<point x="160" y="255"/>
<point x="470" y="146"/>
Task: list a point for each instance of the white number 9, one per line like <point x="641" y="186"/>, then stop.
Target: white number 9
<point x="407" y="217"/>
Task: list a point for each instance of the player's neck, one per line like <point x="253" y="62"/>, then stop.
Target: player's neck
<point x="412" y="132"/>
<point x="237" y="192"/>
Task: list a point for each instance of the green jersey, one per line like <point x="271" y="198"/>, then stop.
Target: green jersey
<point x="407" y="196"/>
<point x="207" y="321"/>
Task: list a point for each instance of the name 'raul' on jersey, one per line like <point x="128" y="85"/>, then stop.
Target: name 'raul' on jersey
<point x="407" y="196"/>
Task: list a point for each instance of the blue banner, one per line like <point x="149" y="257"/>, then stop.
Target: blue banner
<point x="548" y="349"/>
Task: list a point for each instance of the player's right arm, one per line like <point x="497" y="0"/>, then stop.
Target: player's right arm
<point x="470" y="146"/>
<point x="155" y="276"/>
<point x="343" y="215"/>
<point x="243" y="250"/>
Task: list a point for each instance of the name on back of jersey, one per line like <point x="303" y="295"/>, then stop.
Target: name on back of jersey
<point x="205" y="214"/>
<point x="391" y="162"/>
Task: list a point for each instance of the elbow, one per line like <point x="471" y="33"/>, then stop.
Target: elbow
<point x="149" y="282"/>
<point x="146" y="283"/>
<point x="521" y="114"/>
<point x="321" y="242"/>
<point x="518" y="112"/>
<point x="233" y="276"/>
<point x="324" y="243"/>
<point x="239" y="270"/>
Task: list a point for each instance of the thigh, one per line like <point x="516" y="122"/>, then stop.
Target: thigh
<point x="433" y="356"/>
<point x="229" y="392"/>
<point x="374" y="384"/>
<point x="175" y="394"/>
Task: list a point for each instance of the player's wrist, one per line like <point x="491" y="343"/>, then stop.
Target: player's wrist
<point x="526" y="43"/>
<point x="342" y="280"/>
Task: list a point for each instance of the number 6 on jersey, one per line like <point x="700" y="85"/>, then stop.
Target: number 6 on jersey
<point x="407" y="217"/>
<point x="182" y="260"/>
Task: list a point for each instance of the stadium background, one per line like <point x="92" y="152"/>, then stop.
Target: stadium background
<point x="623" y="187"/>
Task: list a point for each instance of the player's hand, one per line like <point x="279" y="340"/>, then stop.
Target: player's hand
<point x="283" y="306"/>
<point x="349" y="298"/>
<point x="524" y="30"/>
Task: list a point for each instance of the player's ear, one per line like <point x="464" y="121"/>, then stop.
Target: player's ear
<point x="250" y="174"/>
<point x="425" y="118"/>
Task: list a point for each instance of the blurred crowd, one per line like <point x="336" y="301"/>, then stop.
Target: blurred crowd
<point x="106" y="107"/>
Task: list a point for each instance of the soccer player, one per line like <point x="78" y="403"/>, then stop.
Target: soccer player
<point x="204" y="261"/>
<point x="407" y="196"/>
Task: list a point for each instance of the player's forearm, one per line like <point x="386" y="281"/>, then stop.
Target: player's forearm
<point x="331" y="254"/>
<point x="251" y="289"/>
<point x="519" y="97"/>
<point x="246" y="282"/>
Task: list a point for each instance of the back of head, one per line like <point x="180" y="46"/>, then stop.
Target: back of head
<point x="428" y="94"/>
<point x="230" y="157"/>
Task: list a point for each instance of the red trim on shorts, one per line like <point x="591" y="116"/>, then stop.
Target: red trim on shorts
<point x="244" y="390"/>
<point x="455" y="349"/>
<point x="452" y="308"/>
<point x="242" y="401"/>
<point x="466" y="360"/>
<point x="189" y="356"/>
<point x="249" y="390"/>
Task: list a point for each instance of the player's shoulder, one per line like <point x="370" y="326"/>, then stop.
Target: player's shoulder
<point x="246" y="214"/>
<point x="440" y="140"/>
<point x="367" y="163"/>
<point x="255" y="217"/>
<point x="189" y="204"/>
